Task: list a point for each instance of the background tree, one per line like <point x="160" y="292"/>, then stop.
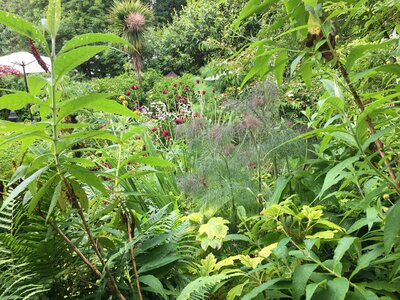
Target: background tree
<point x="200" y="31"/>
<point x="164" y="9"/>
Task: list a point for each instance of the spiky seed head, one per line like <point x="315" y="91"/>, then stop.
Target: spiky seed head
<point x="135" y="22"/>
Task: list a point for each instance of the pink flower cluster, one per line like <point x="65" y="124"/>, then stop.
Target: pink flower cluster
<point x="6" y="70"/>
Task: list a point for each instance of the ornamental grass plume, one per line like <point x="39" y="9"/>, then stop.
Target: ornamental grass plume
<point x="250" y="121"/>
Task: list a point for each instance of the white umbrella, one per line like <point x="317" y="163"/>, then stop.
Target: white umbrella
<point x="24" y="62"/>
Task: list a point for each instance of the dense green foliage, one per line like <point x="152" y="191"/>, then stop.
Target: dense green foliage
<point x="271" y="173"/>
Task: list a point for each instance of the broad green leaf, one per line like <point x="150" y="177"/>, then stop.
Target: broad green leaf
<point x="236" y="291"/>
<point x="17" y="127"/>
<point x="312" y="287"/>
<point x="392" y="227"/>
<point x="332" y="88"/>
<point x="280" y="185"/>
<point x="384" y="286"/>
<point x="363" y="294"/>
<point x="93" y="38"/>
<point x="68" y="61"/>
<point x="306" y="72"/>
<point x="311" y="3"/>
<point x="345" y="137"/>
<point x="336" y="173"/>
<point x="84" y="135"/>
<point x="40" y="193"/>
<point x="22" y="186"/>
<point x="154" y="284"/>
<point x="342" y="247"/>
<point x="18" y="101"/>
<point x="337" y="289"/>
<point x="54" y="16"/>
<point x="97" y="102"/>
<point x="365" y="260"/>
<point x="86" y="177"/>
<point x="260" y="66"/>
<point x="80" y="194"/>
<point x="252" y="7"/>
<point x="279" y="68"/>
<point x="335" y="102"/>
<point x="158" y="263"/>
<point x="300" y="279"/>
<point x="291" y="30"/>
<point x="57" y="194"/>
<point x="330" y="224"/>
<point x="360" y="50"/>
<point x="36" y="84"/>
<point x="23" y="27"/>
<point x="295" y="63"/>
<point x="259" y="289"/>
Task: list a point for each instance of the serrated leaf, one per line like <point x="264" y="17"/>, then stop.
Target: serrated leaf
<point x="392" y="227"/>
<point x="154" y="284"/>
<point x="93" y="38"/>
<point x="328" y="234"/>
<point x="306" y="72"/>
<point x="158" y="263"/>
<point x="250" y="262"/>
<point x="259" y="289"/>
<point x="365" y="260"/>
<point x="342" y="247"/>
<point x="312" y="287"/>
<point x="300" y="279"/>
<point x="236" y="291"/>
<point x="23" y="27"/>
<point x="54" y="200"/>
<point x="280" y="65"/>
<point x="295" y="63"/>
<point x="215" y="228"/>
<point x="360" y="50"/>
<point x="252" y="7"/>
<point x="36" y="84"/>
<point x="266" y="251"/>
<point x="208" y="264"/>
<point x="96" y="102"/>
<point x="229" y="261"/>
<point x="18" y="101"/>
<point x="68" y="61"/>
<point x="336" y="173"/>
<point x="80" y="194"/>
<point x="40" y="193"/>
<point x="86" y="177"/>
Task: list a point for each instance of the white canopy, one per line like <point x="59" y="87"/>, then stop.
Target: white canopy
<point x="17" y="59"/>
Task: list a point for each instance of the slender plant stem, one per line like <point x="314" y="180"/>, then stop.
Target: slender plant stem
<point x="132" y="253"/>
<point x="70" y="194"/>
<point x="71" y="244"/>
<point x="371" y="127"/>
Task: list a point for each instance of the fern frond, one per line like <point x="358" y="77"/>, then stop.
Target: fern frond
<point x="201" y="287"/>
